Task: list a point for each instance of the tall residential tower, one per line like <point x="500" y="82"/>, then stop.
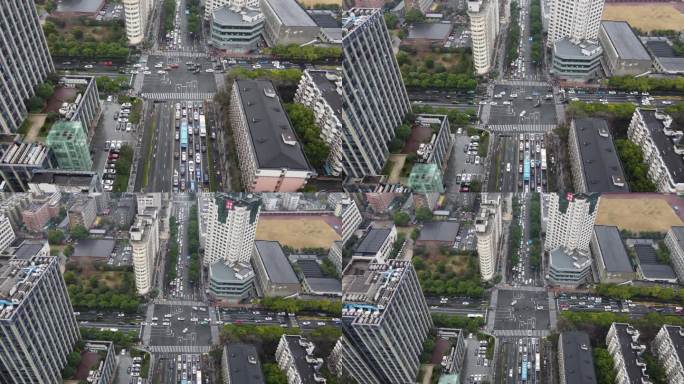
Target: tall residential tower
<point x="231" y="228"/>
<point x="374" y="99"/>
<point x="137" y="14"/>
<point x="25" y="60"/>
<point x="571" y="221"/>
<point x="575" y="19"/>
<point x="484" y="24"/>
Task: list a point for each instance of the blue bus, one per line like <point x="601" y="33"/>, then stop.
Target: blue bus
<point x="526" y="167"/>
<point x="523" y="371"/>
<point x="184" y="134"/>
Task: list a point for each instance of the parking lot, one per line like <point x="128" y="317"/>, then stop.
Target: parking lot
<point x="460" y="163"/>
<point x="474" y="369"/>
<point x="109" y="130"/>
<point x="121" y="255"/>
<point x="523" y="310"/>
<point x="180" y="332"/>
<point x="522" y="105"/>
<point x="111" y="11"/>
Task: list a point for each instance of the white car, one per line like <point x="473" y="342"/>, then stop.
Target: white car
<point x="209" y="70"/>
<point x="159" y="65"/>
<point x="88" y="66"/>
<point x="160" y="72"/>
<point x="256" y="66"/>
<point x="147" y="72"/>
<point x="198" y="158"/>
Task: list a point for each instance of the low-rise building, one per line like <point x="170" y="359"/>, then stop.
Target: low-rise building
<point x="83" y="212"/>
<point x="101" y="357"/>
<point x="653" y="131"/>
<point x="376" y="244"/>
<point x="124" y="212"/>
<point x="93" y="249"/>
<point x="626" y="351"/>
<point x="270" y="155"/>
<point x="575" y="360"/>
<point x="665" y="60"/>
<point x="27" y="250"/>
<point x="668" y="346"/>
<point x="57" y="180"/>
<point x="235" y="29"/>
<point x="624" y="54"/>
<point x="287" y="23"/>
<point x="594" y="160"/>
<point x="438" y="148"/>
<point x="612" y="261"/>
<point x="240" y="364"/>
<point x="273" y="270"/>
<point x="576" y="60"/>
<point x="231" y="282"/>
<point x="569" y="267"/>
<point x="452" y="363"/>
<point x="439" y="233"/>
<point x="295" y="357"/>
<point x="41" y="209"/>
<point x="426" y="35"/>
<point x="314" y="281"/>
<point x="674" y="240"/>
<point x="649" y="268"/>
<point x="321" y="91"/>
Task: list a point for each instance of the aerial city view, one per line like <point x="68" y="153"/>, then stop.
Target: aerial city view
<point x="341" y="192"/>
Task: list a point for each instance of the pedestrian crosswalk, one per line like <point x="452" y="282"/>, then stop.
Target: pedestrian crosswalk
<point x="178" y="348"/>
<point x="178" y="95"/>
<point x="521" y="127"/>
<point x="523" y="83"/>
<point x="178" y="53"/>
<point x="180" y="302"/>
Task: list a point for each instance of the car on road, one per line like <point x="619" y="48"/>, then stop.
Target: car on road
<point x="306" y="323"/>
<point x="256" y="66"/>
<point x="209" y="70"/>
<point x="320" y="323"/>
<point x="198" y="158"/>
<point x="88" y="66"/>
<point x="147" y="72"/>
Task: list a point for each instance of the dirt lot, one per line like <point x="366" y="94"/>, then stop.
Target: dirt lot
<point x="646" y="16"/>
<point x="637" y="213"/>
<point x="397" y="161"/>
<point x="298" y="231"/>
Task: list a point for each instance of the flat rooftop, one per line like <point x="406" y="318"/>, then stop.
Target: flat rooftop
<point x="326" y="81"/>
<point x="31" y="154"/>
<point x="299" y="354"/>
<point x="368" y="292"/>
<point x="63" y="178"/>
<point x="291" y="13"/>
<point x="273" y="138"/>
<point x="567" y="48"/>
<point x="625" y="338"/>
<point x="275" y="262"/>
<point x="615" y="257"/>
<point x="17" y="279"/>
<point x="244" y="364"/>
<point x="355" y="17"/>
<point x="600" y="163"/>
<point x="578" y="359"/>
<point x="28" y="249"/>
<point x="665" y="145"/>
<point x="443" y="231"/>
<point x="372" y="242"/>
<point x="626" y="43"/>
<point x="561" y="258"/>
<point x="224" y="273"/>
<point x="235" y="16"/>
<point x="100" y="248"/>
<point x="324" y="285"/>
<point x="430" y="31"/>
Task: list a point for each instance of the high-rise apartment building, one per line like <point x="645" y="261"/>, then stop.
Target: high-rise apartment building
<point x="25" y="60"/>
<point x="668" y="346"/>
<point x="321" y="91"/>
<point x="38" y="328"/>
<point x="231" y="228"/>
<point x="385" y="320"/>
<point x="674" y="240"/>
<point x="576" y="19"/>
<point x="373" y="94"/>
<point x="83" y="212"/>
<point x="7" y="235"/>
<point x="627" y="353"/>
<point x="484" y="24"/>
<point x="488" y="227"/>
<point x="571" y="220"/>
<point x="144" y="238"/>
<point x="69" y="144"/>
<point x="346" y="209"/>
<point x="137" y="14"/>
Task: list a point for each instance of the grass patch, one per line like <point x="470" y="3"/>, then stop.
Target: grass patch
<point x="440" y="68"/>
<point x="212" y="171"/>
<point x="123" y="169"/>
<point x="443" y="270"/>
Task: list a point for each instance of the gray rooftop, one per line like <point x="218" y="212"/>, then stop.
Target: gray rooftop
<point x="325" y="19"/>
<point x="629" y="355"/>
<point x="310" y="268"/>
<point x="325" y="285"/>
<point x="665" y="145"/>
<point x="657" y="272"/>
<point x="290" y="13"/>
<point x="613" y="251"/>
<point x="228" y="15"/>
<point x="244" y="364"/>
<point x="275" y="262"/>
<point x="61" y="177"/>
<point x="444" y="231"/>
<point x="431" y="31"/>
<point x="28" y="249"/>
<point x="578" y="360"/>
<point x="646" y="254"/>
<point x="600" y="162"/>
<point x="561" y="258"/>
<point x="678" y="232"/>
<point x="306" y="371"/>
<point x="94" y="248"/>
<point x="269" y="127"/>
<point x="328" y="89"/>
<point x="626" y="43"/>
<point x="660" y="48"/>
<point x="567" y="49"/>
<point x="224" y="273"/>
<point x="372" y="242"/>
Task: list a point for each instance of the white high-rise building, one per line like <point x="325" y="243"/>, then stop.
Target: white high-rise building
<point x="575" y="19"/>
<point x="231" y="228"/>
<point x="137" y="14"/>
<point x="211" y="5"/>
<point x="7" y="235"/>
<point x="488" y="226"/>
<point x="484" y="25"/>
<point x="571" y="220"/>
<point x="144" y="238"/>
